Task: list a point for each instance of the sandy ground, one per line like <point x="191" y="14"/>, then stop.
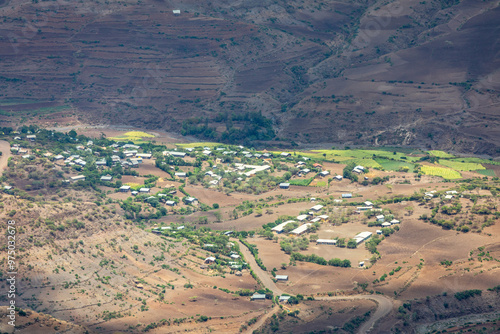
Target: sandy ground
<point x="5" y="149"/>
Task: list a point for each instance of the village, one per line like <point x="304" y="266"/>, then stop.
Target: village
<point x="266" y="218"/>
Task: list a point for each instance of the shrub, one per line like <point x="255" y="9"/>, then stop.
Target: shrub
<point x="467" y="294"/>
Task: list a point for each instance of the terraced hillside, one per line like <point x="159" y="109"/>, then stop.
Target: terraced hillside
<point x="407" y="72"/>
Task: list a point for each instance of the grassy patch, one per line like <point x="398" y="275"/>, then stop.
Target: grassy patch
<point x="461" y="166"/>
<point x="445" y="173"/>
<point x="133" y="136"/>
<point x="301" y="182"/>
<point x="321" y="184"/>
<point x="440" y="154"/>
<point x="394" y="164"/>
<point x="487" y="172"/>
<point x="370" y="163"/>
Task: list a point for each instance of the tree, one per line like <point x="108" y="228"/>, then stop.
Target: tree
<point x="352" y="243"/>
<point x="341" y="242"/>
<point x="218" y="216"/>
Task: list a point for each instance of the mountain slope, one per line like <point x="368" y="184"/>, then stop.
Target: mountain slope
<point x="419" y="73"/>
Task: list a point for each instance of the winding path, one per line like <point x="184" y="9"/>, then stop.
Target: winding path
<point x="384" y="304"/>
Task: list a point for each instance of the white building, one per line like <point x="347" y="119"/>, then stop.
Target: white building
<point x="360" y="237"/>
<point x="279" y="228"/>
<point x="301" y="229"/>
<point x="326" y="242"/>
<point x="317" y="207"/>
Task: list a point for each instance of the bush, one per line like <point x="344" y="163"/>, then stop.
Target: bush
<point x="467" y="294"/>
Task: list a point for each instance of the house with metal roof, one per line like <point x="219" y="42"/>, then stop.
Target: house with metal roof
<point x="360" y="237"/>
<point x="302" y="218"/>
<point x="279" y="228"/>
<point x="317" y="207"/>
<point x="326" y="242"/>
<point x="258" y="296"/>
<point x="77" y="178"/>
<point x="190" y="200"/>
<point x="301" y="229"/>
<point x="124" y="189"/>
<point x="106" y="178"/>
<point x="283" y="299"/>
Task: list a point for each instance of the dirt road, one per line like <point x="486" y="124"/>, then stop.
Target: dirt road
<point x="265" y="277"/>
<point x="384" y="304"/>
<point x="5" y="149"/>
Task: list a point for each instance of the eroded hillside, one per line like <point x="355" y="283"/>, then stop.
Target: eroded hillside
<point x="408" y="72"/>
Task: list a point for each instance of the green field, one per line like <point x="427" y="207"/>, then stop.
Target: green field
<point x="461" y="166"/>
<point x="394" y="165"/>
<point x="361" y="157"/>
<point x="487" y="172"/>
<point x="370" y="163"/>
<point x="301" y="182"/>
<point x="445" y="173"/>
<point x="476" y="160"/>
<point x="405" y="150"/>
<point x="440" y="154"/>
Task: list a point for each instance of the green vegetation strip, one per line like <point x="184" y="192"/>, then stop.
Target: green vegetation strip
<point x="476" y="160"/>
<point x="301" y="182"/>
<point x="487" y="172"/>
<point x="395" y="165"/>
<point x="461" y="166"/>
<point x="440" y="154"/>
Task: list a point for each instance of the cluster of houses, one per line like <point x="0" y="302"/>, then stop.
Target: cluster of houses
<point x="358" y="169"/>
<point x="381" y="219"/>
<point x="305" y="219"/>
<point x="449" y="195"/>
<point x="16" y="149"/>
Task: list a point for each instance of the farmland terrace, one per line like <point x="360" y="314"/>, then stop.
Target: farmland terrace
<point x="413" y="73"/>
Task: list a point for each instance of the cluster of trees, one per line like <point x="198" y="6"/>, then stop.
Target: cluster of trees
<point x="257" y="184"/>
<point x="468" y="294"/>
<point x="292" y="245"/>
<point x="451" y="209"/>
<point x="319" y="260"/>
<point x="251" y="126"/>
<point x="348" y="174"/>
